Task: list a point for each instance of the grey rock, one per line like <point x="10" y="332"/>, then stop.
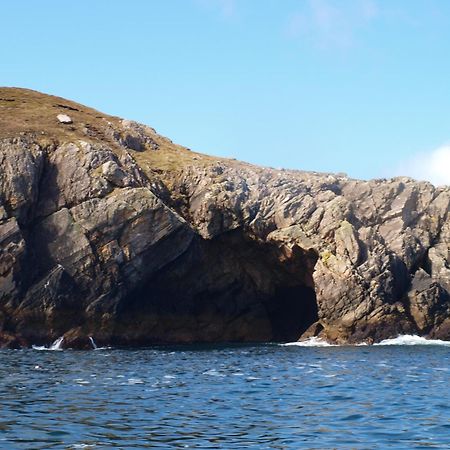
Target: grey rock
<point x="64" y="118"/>
<point x="114" y="174"/>
<point x="103" y="236"/>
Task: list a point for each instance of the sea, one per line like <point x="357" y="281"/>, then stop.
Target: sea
<point x="394" y="395"/>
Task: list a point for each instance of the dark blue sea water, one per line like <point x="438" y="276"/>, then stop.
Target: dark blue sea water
<point x="234" y="397"/>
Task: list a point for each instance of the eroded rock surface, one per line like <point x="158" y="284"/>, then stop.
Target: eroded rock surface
<point x="111" y="231"/>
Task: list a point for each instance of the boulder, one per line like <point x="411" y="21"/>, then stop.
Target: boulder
<point x="64" y="118"/>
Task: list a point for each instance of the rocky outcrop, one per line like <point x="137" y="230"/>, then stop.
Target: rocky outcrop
<point x="109" y="230"/>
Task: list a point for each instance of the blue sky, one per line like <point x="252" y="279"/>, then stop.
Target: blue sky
<point x="355" y="86"/>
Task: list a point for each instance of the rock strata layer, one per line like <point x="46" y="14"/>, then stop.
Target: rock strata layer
<point x="109" y="230"/>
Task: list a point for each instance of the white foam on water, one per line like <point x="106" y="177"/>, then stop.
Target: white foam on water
<point x="56" y="345"/>
<point x="405" y="339"/>
<point x="213" y="373"/>
<point x="310" y="342"/>
<point x="316" y="366"/>
<point x="409" y="339"/>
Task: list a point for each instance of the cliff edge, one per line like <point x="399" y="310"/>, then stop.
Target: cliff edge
<point x="110" y="230"/>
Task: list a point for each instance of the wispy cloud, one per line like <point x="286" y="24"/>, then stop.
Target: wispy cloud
<point x="331" y="23"/>
<point x="433" y="166"/>
<point x="226" y="8"/>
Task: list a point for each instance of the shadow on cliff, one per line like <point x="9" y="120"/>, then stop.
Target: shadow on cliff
<point x="227" y="289"/>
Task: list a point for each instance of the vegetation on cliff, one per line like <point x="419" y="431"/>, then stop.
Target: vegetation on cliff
<point x="110" y="230"/>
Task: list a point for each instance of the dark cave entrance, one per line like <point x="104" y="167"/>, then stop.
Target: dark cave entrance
<point x="292" y="310"/>
<point x="228" y="289"/>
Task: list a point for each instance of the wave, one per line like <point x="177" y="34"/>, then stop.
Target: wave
<point x="310" y="342"/>
<point x="95" y="346"/>
<point x="404" y="339"/>
<point x="410" y="339"/>
<point x="56" y="346"/>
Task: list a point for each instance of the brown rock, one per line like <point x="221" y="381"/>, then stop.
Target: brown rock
<point x="120" y="234"/>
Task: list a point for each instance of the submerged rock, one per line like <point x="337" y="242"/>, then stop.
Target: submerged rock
<point x="113" y="231"/>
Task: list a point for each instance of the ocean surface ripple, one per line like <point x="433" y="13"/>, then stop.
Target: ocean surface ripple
<point x="231" y="397"/>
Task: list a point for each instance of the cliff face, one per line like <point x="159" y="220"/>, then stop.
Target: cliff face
<point x="109" y="230"/>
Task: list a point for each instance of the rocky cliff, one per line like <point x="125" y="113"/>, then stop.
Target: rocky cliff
<point x="110" y="230"/>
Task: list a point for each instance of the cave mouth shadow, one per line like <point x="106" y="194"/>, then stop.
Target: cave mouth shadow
<point x="291" y="311"/>
<point x="233" y="288"/>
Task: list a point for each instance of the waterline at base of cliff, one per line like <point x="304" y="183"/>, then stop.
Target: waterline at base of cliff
<point x="399" y="340"/>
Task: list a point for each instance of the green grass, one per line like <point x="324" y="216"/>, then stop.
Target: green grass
<point x="23" y="111"/>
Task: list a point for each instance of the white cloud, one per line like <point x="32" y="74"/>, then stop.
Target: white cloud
<point x="433" y="166"/>
<point x="331" y="23"/>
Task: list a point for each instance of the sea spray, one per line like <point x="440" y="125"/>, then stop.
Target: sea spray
<point x="94" y="345"/>
<point x="56" y="345"/>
